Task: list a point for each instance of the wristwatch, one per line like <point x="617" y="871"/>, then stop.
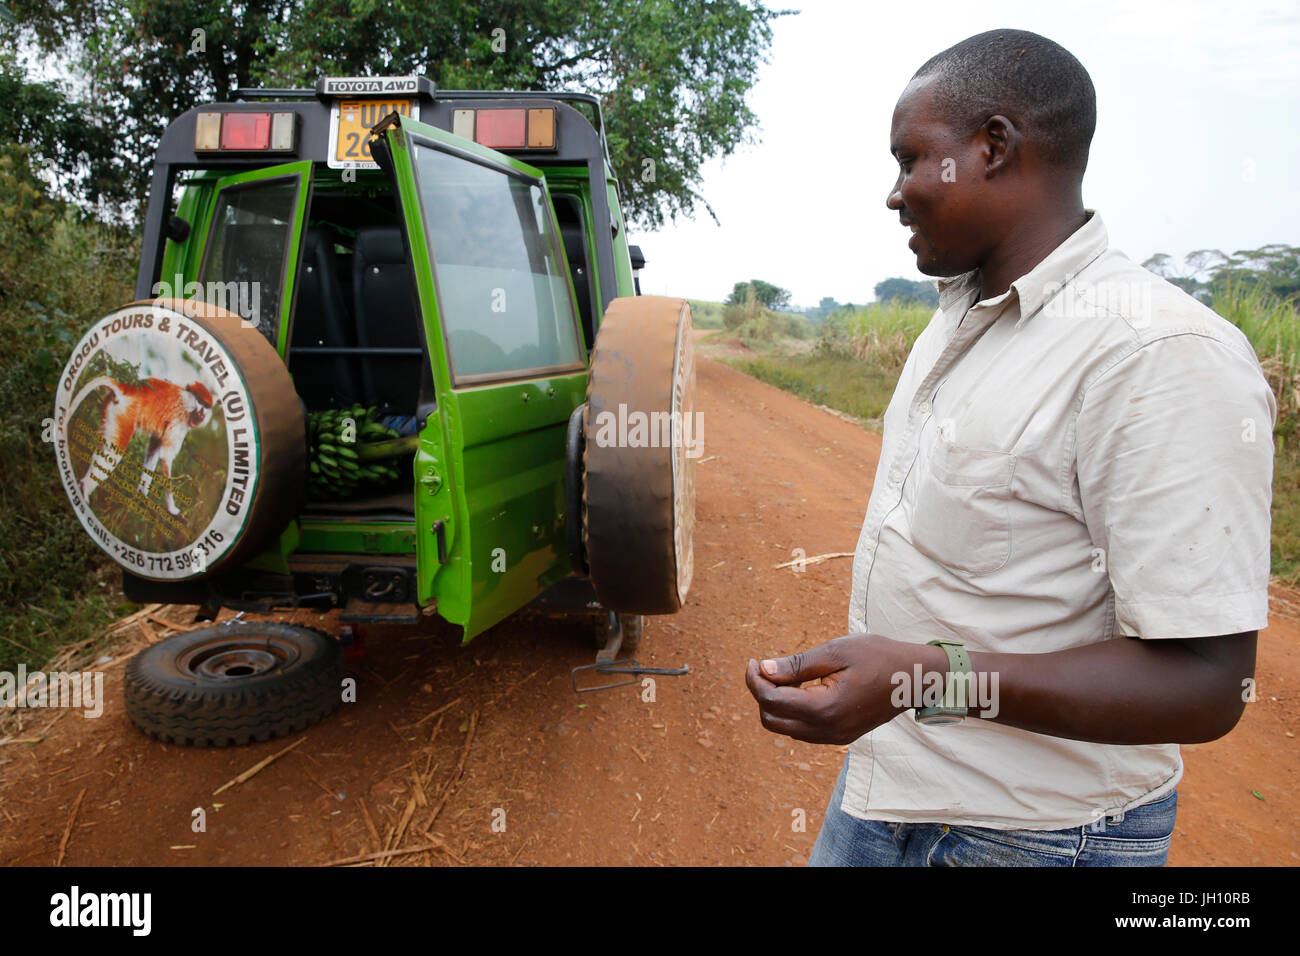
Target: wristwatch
<point x="953" y="708"/>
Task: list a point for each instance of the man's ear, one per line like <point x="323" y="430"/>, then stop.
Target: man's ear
<point x="1002" y="144"/>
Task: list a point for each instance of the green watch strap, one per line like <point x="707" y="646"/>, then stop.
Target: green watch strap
<point x="955" y="696"/>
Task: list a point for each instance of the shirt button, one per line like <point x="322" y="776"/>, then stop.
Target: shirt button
<point x="895" y="476"/>
<point x="924" y="408"/>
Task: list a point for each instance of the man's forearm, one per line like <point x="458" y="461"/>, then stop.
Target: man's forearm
<point x="1121" y="691"/>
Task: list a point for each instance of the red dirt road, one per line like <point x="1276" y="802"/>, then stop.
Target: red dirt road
<point x="551" y="777"/>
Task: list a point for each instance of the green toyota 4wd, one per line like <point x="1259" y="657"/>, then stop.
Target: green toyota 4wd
<point x="388" y="355"/>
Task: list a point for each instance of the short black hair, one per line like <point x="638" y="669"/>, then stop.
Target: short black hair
<point x="1034" y="82"/>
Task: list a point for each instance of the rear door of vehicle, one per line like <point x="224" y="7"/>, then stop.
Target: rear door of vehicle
<point x="509" y="367"/>
<point x="253" y="244"/>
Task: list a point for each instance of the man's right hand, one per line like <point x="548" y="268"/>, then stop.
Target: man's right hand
<point x="854" y="692"/>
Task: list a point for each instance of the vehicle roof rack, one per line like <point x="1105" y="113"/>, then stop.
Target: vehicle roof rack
<point x="269" y="93"/>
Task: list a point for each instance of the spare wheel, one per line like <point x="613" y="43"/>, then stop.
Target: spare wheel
<point x="181" y="442"/>
<point x="642" y="436"/>
<point x="234" y="683"/>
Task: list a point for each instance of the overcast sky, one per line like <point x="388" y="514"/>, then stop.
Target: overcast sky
<point x="1197" y="144"/>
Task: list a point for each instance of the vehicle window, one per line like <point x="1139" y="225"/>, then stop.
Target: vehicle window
<point x="502" y="287"/>
<point x="243" y="265"/>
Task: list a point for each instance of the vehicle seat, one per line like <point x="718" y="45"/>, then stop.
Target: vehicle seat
<point x="387" y="317"/>
<point x="321" y="319"/>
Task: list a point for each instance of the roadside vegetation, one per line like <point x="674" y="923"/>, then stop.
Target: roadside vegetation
<point x="58" y="273"/>
<point x="706" y="315"/>
<point x="757" y="325"/>
<point x="1273" y="327"/>
<point x="849" y="360"/>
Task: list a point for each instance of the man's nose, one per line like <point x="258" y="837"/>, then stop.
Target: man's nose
<point x="894" y="200"/>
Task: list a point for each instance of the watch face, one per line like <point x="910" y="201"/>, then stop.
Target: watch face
<point x="938" y="720"/>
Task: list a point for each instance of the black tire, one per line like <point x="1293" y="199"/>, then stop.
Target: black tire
<point x="574" y="446"/>
<point x="638" y="495"/>
<point x="234" y="684"/>
<point x="633" y="630"/>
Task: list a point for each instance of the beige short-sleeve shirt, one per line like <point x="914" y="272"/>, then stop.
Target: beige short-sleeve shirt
<point x="1087" y="457"/>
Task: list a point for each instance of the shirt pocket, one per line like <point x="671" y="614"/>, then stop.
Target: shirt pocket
<point x="961" y="517"/>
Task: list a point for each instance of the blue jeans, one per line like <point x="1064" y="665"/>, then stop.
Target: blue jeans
<point x="1141" y="838"/>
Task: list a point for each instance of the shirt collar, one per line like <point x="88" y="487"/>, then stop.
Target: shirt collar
<point x="953" y="289"/>
<point x="1062" y="265"/>
<point x="1042" y="282"/>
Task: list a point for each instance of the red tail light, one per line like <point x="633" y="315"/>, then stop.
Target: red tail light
<point x="239" y="132"/>
<point x="502" y="129"/>
<point x="246" y="131"/>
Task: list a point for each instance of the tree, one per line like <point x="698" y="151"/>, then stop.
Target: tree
<point x="78" y="155"/>
<point x="765" y="293"/>
<point x="1203" y="272"/>
<point x="908" y="290"/>
<point x="673" y="74"/>
<point x="825" y="307"/>
<point x="1275" y="266"/>
<point x="1182" y="276"/>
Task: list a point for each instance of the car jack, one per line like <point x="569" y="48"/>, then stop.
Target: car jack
<point x="606" y="663"/>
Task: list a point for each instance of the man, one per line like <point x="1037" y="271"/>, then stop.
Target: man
<point x="1069" y="521"/>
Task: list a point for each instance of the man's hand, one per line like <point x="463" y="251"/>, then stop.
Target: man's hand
<point x="854" y="692"/>
<point x="1118" y="691"/>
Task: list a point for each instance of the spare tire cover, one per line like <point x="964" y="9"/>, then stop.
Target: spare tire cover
<point x="642" y="438"/>
<point x="180" y="440"/>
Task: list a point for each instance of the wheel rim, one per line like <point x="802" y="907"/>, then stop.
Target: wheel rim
<point x="234" y="659"/>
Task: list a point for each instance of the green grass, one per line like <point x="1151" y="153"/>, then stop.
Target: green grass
<point x="839" y="381"/>
<point x="1269" y="322"/>
<point x="878" y="334"/>
<point x="855" y="364"/>
<point x="706" y="315"/>
<point x="1286" y="516"/>
<point x="1273" y="327"/>
<point x="895" y="317"/>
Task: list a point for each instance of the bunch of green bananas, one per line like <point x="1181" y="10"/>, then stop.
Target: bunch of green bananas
<point x="348" y="448"/>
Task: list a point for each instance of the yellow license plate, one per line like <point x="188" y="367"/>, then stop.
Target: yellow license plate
<point x="356" y="119"/>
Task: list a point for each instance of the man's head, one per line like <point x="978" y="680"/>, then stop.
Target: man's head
<point x="989" y="134"/>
